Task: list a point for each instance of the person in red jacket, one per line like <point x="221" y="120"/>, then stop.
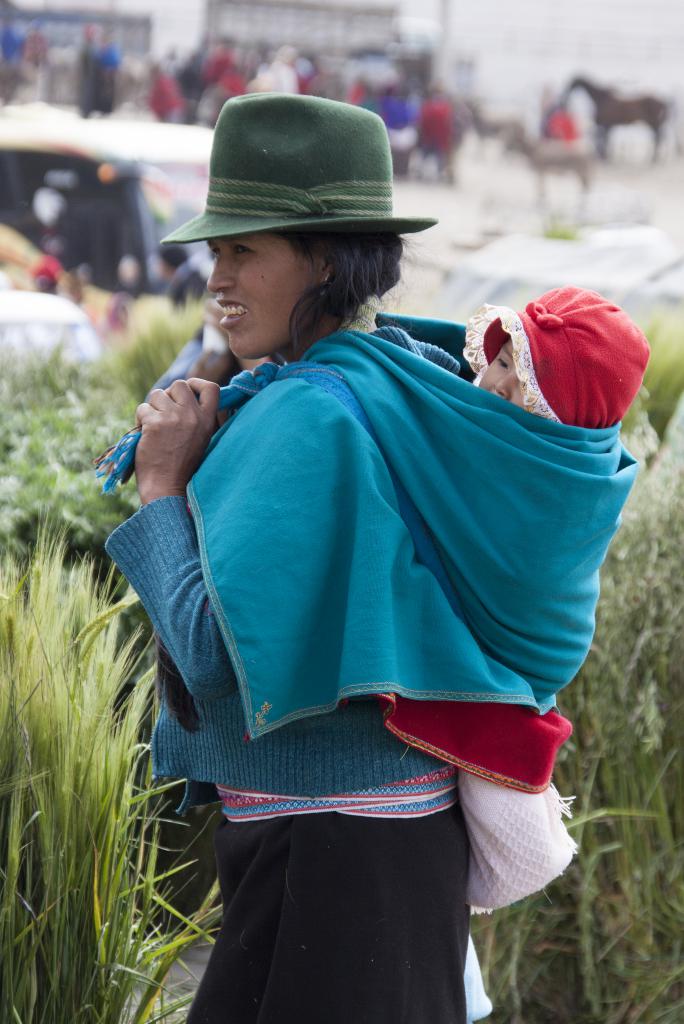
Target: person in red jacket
<point x="437" y="131"/>
<point x="165" y="99"/>
<point x="561" y="124"/>
<point x="557" y="120"/>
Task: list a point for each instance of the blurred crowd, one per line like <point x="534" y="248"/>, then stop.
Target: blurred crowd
<point x="182" y="274"/>
<point x="32" y="69"/>
<point x="426" y="124"/>
<point x="25" y="57"/>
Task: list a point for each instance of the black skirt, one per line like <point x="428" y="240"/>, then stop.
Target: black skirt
<point x="334" y="919"/>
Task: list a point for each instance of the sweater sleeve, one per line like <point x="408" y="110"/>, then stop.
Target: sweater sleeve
<point x="157" y="551"/>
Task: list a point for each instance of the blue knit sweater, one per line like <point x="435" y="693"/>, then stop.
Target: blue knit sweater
<point x="348" y="750"/>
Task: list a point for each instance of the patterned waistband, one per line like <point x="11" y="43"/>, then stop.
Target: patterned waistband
<point x="411" y="798"/>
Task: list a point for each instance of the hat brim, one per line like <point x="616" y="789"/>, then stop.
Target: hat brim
<point x="220" y="225"/>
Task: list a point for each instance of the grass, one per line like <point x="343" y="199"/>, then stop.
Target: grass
<point x="81" y="894"/>
<point x="664" y="381"/>
<point x="56" y="417"/>
<point x="561" y="231"/>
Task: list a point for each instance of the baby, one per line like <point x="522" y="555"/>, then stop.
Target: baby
<point x="571" y="356"/>
<point x="575" y="358"/>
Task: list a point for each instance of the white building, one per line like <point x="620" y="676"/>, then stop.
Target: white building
<point x="518" y="48"/>
<point x="328" y="26"/>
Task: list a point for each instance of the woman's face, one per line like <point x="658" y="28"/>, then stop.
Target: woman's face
<point x="258" y="280"/>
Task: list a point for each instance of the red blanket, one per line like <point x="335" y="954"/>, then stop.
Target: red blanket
<point x="509" y="745"/>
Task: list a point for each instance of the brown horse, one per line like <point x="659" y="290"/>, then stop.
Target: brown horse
<point x="611" y="110"/>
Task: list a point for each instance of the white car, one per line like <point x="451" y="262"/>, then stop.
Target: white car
<point x="32" y="322"/>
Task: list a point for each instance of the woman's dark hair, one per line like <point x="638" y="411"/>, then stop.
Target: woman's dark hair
<point x="173" y="691"/>
<point x="362" y="265"/>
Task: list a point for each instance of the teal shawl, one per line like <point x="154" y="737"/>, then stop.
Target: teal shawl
<point x="310" y="568"/>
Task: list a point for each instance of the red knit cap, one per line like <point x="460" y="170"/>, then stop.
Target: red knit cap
<point x="587" y="355"/>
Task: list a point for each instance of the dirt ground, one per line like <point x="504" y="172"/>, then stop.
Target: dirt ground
<point x="498" y="193"/>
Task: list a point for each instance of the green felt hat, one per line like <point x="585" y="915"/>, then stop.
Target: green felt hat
<point x="297" y="163"/>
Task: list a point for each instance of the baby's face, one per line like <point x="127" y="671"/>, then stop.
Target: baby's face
<point x="500" y="377"/>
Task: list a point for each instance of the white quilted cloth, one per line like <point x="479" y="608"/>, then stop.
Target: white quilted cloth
<point x="518" y="842"/>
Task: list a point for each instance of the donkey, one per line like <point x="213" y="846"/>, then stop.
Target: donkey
<point x="553" y="156"/>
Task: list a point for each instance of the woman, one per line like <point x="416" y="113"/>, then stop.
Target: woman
<point x="342" y="854"/>
<point x="358" y="529"/>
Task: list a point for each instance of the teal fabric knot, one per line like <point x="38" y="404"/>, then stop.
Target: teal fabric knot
<point x="247" y="384"/>
<point x="116" y="464"/>
<point x="265" y="374"/>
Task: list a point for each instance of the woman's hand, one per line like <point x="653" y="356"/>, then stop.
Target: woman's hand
<point x="176" y="427"/>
